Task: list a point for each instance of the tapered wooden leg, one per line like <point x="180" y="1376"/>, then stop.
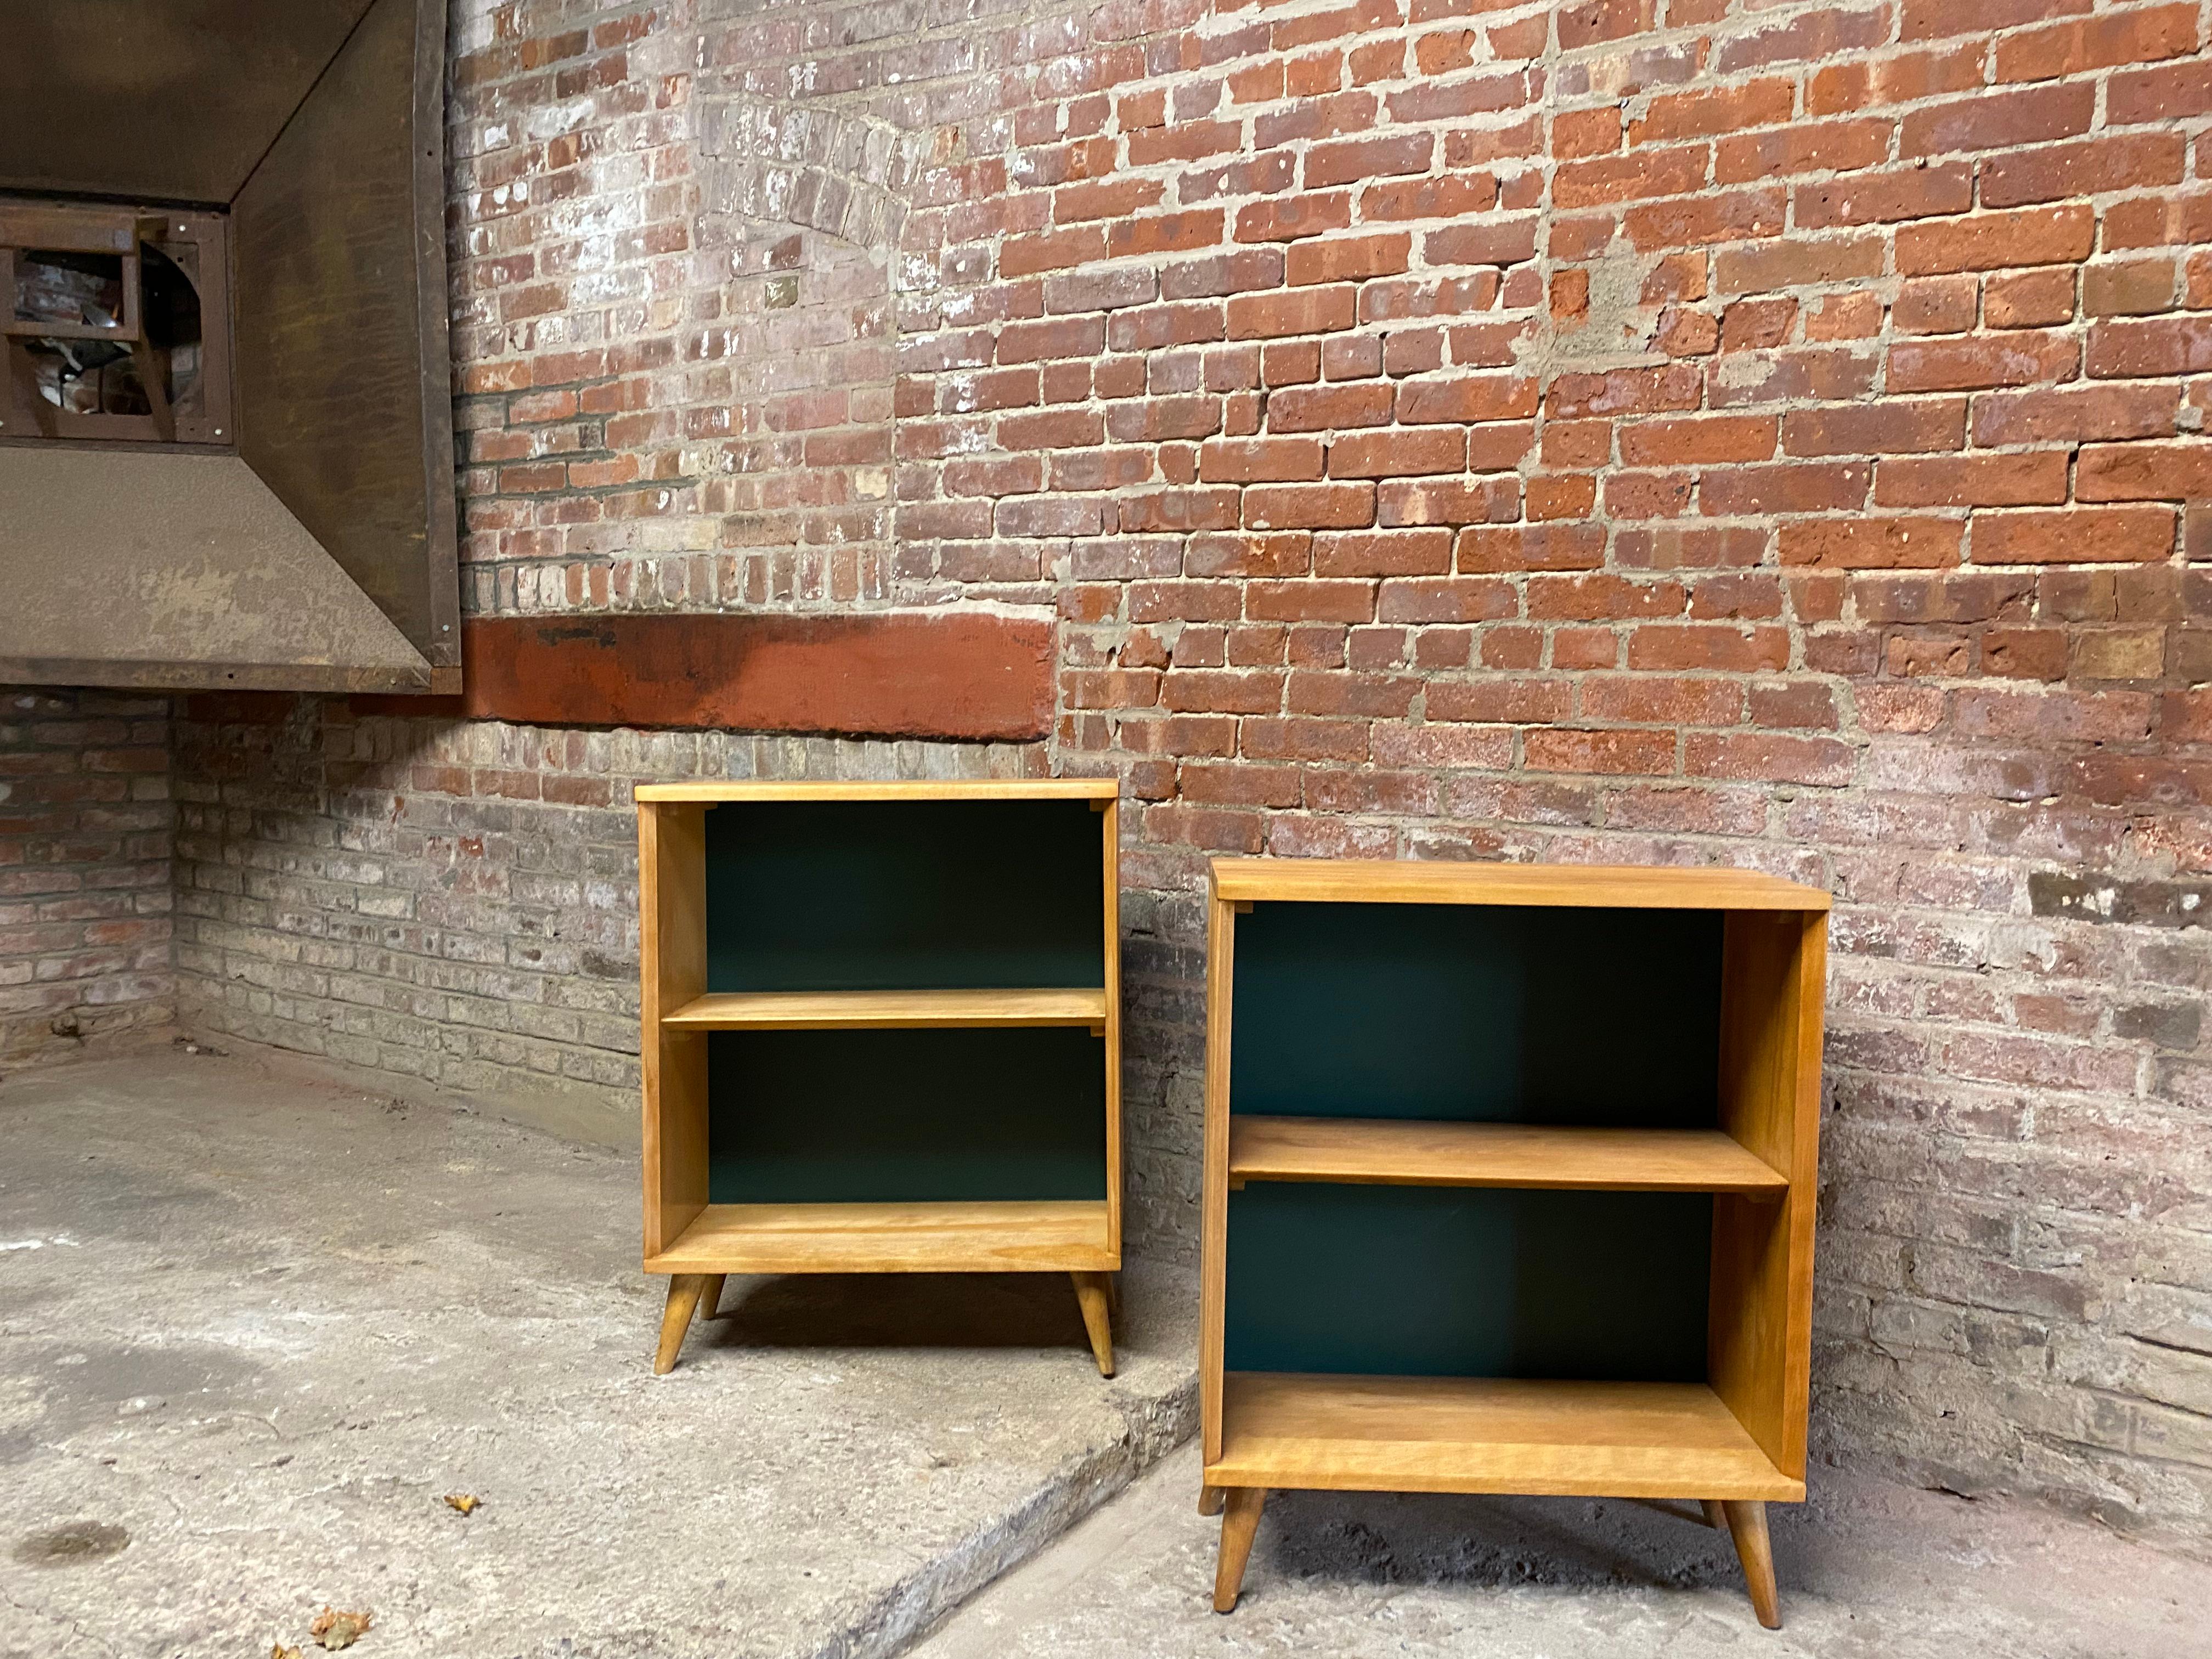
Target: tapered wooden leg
<point x="684" y="1293"/>
<point x="710" y="1299"/>
<point x="1092" y="1296"/>
<point x="1209" y="1500"/>
<point x="1715" y="1516"/>
<point x="1240" y="1519"/>
<point x="1748" y="1526"/>
<point x="1113" y="1296"/>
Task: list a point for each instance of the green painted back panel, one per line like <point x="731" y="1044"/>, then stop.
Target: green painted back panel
<point x="1477" y="1012"/>
<point x="872" y="895"/>
<point x="1426" y="1281"/>
<point x="882" y="1116"/>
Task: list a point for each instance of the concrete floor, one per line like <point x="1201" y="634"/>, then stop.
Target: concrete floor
<point x="253" y="1327"/>
<point x="1867" y="1571"/>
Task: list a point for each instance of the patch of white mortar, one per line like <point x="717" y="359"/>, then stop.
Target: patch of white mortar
<point x="1615" y="332"/>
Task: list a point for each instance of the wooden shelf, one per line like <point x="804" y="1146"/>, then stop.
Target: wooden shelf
<point x="818" y="1011"/>
<point x="708" y="794"/>
<point x="1043" y="1236"/>
<point x="1489" y="1435"/>
<point x="1423" y="1153"/>
<point x="1353" y="881"/>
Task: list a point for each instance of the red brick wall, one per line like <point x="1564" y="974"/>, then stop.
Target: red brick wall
<point x="84" y="867"/>
<point x="1646" y="430"/>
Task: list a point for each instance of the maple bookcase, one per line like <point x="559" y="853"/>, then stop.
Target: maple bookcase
<point x="881" y="1033"/>
<point x="1509" y="1186"/>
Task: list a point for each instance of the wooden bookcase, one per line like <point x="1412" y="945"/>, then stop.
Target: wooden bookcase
<point x="1509" y="1186"/>
<point x="881" y="1029"/>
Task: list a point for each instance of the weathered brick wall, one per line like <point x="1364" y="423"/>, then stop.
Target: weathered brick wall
<point x="1647" y="430"/>
<point x="84" y="867"/>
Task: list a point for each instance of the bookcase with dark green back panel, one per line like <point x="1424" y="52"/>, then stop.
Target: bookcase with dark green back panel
<point x="1509" y="1186"/>
<point x="881" y="1034"/>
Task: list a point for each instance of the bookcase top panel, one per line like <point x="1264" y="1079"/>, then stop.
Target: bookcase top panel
<point x="928" y="789"/>
<point x="1377" y="881"/>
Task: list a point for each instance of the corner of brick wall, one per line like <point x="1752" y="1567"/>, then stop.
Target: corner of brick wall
<point x="85" y="890"/>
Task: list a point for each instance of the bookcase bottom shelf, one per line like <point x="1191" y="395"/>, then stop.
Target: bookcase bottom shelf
<point x="1037" y="1235"/>
<point x="1489" y="1435"/>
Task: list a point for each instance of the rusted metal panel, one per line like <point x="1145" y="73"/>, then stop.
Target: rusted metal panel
<point x="142" y="567"/>
<point x="171" y="99"/>
<point x="344" y="389"/>
<point x="975" y="677"/>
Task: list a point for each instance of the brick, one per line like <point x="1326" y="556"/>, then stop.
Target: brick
<point x="1721" y="645"/>
<point x="1872" y="543"/>
<point x="2128" y="287"/>
<point x="1763" y="491"/>
<point x="1879" y="196"/>
<point x="1792" y="263"/>
<point x="2050" y="173"/>
<point x="1312" y="409"/>
<point x="2076" y="413"/>
<point x="1447" y="501"/>
<point x="1448" y="196"/>
<point x="1935" y="305"/>
<point x="1467" y="398"/>
<point x="1286" y="218"/>
<point x="1308" y="505"/>
<point x="2034" y="479"/>
<point x="2163" y="345"/>
<point x="1407" y="552"/>
<point x="1693" y="439"/>
<point x="1446" y="599"/>
<point x="1619" y="752"/>
<point x="1707" y="112"/>
<point x="1999" y="121"/>
<point x="1533" y="547"/>
<point x="1990" y="241"/>
<point x="1770" y="757"/>
<point x="2081" y="535"/>
<point x="2142" y="34"/>
<point x="1918" y="427"/>
<point x="1397" y="453"/>
<point x="2144" y="472"/>
<point x="2030" y="299"/>
<point x="1802" y="147"/>
<point x="1302" y="311"/>
<point x="1606" y="181"/>
<point x="2165" y="93"/>
<point x="1260" y="460"/>
<point x="1355" y="160"/>
<point x="2020" y="357"/>
<point x="1310" y="601"/>
<point x="1348" y="259"/>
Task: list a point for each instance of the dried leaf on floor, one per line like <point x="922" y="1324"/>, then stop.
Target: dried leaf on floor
<point x="278" y="1651"/>
<point x="332" y="1631"/>
<point x="465" y="1502"/>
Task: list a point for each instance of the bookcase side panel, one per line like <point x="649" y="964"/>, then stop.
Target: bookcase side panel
<point x="672" y="970"/>
<point x="1759" y="1342"/>
<point x="1110" y="830"/>
<point x="1213" y="1219"/>
<point x="1803" y="1202"/>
